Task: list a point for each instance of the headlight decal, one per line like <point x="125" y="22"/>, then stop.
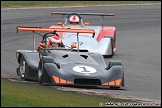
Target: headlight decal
<point x="115" y="83"/>
<point x="60" y="80"/>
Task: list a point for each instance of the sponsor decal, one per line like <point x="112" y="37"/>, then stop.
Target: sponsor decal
<point x="80" y="43"/>
<point x="80" y="35"/>
<point x="84" y="69"/>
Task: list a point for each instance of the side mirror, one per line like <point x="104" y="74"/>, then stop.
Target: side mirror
<point x="73" y="46"/>
<point x="86" y="23"/>
<point x="42" y="44"/>
<point x="59" y="23"/>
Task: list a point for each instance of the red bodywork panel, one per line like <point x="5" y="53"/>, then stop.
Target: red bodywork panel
<point x="106" y="31"/>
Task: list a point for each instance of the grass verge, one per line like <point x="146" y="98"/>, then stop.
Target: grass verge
<point x="20" y="94"/>
<point x="18" y="4"/>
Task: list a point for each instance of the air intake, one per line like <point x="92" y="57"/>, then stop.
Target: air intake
<point x="87" y="81"/>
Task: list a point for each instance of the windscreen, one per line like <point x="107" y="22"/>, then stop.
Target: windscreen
<point x="63" y="57"/>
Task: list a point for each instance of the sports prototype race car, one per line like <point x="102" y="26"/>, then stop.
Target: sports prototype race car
<point x="66" y="65"/>
<point x="104" y="40"/>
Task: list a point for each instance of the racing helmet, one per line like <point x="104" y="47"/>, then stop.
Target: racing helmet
<point x="74" y="19"/>
<point x="54" y="41"/>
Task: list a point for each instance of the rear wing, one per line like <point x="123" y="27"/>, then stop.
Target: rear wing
<point x="93" y="14"/>
<point x="52" y="30"/>
<point x="40" y="29"/>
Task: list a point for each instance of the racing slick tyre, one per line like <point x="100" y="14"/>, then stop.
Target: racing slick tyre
<point x="43" y="76"/>
<point x="108" y="56"/>
<point x="22" y="67"/>
<point x="40" y="72"/>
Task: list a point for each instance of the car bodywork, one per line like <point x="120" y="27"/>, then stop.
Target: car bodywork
<point x="104" y="40"/>
<point x="67" y="66"/>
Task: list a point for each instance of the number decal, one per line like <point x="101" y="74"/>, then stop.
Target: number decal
<point x="74" y="17"/>
<point x="84" y="69"/>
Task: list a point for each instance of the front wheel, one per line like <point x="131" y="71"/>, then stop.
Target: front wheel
<point x="40" y="72"/>
<point x="22" y="67"/>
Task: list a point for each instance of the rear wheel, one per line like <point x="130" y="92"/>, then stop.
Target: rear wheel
<point x="22" y="67"/>
<point x="114" y="44"/>
<point x="108" y="56"/>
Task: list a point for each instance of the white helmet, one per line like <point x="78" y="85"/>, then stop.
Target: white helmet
<point x="54" y="41"/>
<point x="74" y="18"/>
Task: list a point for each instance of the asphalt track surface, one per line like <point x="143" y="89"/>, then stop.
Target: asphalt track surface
<point x="138" y="42"/>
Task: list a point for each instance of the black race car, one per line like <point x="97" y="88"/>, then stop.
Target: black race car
<point x="67" y="66"/>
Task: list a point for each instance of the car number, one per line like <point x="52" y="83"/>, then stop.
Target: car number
<point x="84" y="69"/>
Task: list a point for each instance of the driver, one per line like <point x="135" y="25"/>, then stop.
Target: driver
<point x="74" y="20"/>
<point x="54" y="41"/>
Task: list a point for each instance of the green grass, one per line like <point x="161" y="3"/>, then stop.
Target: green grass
<point x="20" y="94"/>
<point x="17" y="4"/>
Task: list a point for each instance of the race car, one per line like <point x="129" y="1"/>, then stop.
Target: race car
<point x="66" y="66"/>
<point x="104" y="40"/>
